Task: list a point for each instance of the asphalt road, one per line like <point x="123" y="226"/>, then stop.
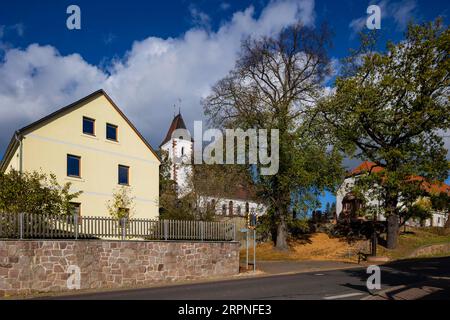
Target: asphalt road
<point x="329" y="285"/>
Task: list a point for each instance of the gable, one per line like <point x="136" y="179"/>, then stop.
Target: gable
<point x="66" y="124"/>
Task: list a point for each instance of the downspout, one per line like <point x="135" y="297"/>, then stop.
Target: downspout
<point x="19" y="139"/>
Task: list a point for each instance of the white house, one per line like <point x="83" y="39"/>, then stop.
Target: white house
<point x="347" y="203"/>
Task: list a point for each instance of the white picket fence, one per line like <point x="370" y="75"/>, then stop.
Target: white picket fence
<point x="41" y="226"/>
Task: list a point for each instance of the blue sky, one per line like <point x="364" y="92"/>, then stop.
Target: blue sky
<point x="150" y="55"/>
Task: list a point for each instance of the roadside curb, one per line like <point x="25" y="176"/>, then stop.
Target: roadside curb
<point x="382" y="293"/>
<point x="407" y="292"/>
<point x="240" y="276"/>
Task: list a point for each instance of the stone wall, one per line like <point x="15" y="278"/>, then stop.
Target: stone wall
<point x="433" y="249"/>
<point x="31" y="266"/>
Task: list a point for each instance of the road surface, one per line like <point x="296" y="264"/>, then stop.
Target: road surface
<point x="328" y="285"/>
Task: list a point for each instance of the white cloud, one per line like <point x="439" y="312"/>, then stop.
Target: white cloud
<point x="109" y="38"/>
<point x="18" y="28"/>
<point x="224" y="6"/>
<point x="199" y="18"/>
<point x="401" y="12"/>
<point x="145" y="82"/>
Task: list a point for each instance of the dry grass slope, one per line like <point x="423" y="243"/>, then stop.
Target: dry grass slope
<point x="319" y="246"/>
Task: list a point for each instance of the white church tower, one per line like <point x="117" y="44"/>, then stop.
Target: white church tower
<point x="179" y="146"/>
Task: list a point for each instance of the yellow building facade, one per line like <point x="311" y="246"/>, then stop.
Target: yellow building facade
<point x="93" y="145"/>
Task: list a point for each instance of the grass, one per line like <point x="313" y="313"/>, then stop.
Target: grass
<point x="319" y="246"/>
<point x="415" y="238"/>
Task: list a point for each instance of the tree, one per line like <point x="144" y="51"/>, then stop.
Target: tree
<point x="34" y="192"/>
<point x="389" y="107"/>
<point x="327" y="210"/>
<point x="204" y="181"/>
<point x="332" y="210"/>
<point x="441" y="201"/>
<point x="168" y="201"/>
<point x="122" y="204"/>
<point x="274" y="84"/>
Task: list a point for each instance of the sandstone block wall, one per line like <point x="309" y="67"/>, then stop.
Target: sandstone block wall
<point x="31" y="266"/>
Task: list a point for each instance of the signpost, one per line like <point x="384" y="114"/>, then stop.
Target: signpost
<point x="245" y="230"/>
<point x="251" y="225"/>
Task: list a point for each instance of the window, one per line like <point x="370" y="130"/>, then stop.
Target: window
<point x="124" y="175"/>
<point x="73" y="166"/>
<point x="88" y="126"/>
<point x="111" y="132"/>
<point x="182" y="151"/>
<point x="224" y="209"/>
<point x="230" y="208"/>
<point x="238" y="210"/>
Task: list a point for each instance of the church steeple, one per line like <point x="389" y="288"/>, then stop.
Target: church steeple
<point x="179" y="149"/>
<point x="177" y="123"/>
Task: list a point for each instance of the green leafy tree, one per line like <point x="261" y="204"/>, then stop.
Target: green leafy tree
<point x="390" y="107"/>
<point x="441" y="201"/>
<point x="274" y="84"/>
<point x="122" y="203"/>
<point x="34" y="192"/>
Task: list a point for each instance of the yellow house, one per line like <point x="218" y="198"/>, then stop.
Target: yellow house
<point x="93" y="145"/>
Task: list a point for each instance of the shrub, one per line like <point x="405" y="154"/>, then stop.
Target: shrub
<point x="34" y="192"/>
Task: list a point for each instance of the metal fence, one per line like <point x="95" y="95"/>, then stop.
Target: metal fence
<point x="39" y="226"/>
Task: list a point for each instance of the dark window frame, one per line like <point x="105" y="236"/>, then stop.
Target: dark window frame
<point x="93" y="126"/>
<point x="128" y="175"/>
<point x="79" y="166"/>
<point x="117" y="132"/>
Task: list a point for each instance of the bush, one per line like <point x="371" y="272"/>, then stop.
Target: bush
<point x="298" y="227"/>
<point x="359" y="229"/>
<point x="34" y="192"/>
<point x="266" y="229"/>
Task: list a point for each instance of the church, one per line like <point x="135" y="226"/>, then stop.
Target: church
<point x="240" y="201"/>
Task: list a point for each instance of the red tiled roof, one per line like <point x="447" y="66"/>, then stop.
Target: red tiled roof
<point x="240" y="191"/>
<point x="366" y="166"/>
<point x="434" y="187"/>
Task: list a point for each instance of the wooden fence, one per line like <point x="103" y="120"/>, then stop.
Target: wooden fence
<point x="39" y="226"/>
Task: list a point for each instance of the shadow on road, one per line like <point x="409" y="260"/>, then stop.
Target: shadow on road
<point x="418" y="275"/>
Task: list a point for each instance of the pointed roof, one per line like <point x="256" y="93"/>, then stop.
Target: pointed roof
<point x="13" y="145"/>
<point x="177" y="123"/>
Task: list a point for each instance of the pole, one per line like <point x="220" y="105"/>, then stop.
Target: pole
<point x="254" y="250"/>
<point x="21" y="225"/>
<point x="374" y="233"/>
<point x="124" y="228"/>
<point x="166" y="229"/>
<point x="75" y="221"/>
<point x="202" y="230"/>
<point x="246" y="257"/>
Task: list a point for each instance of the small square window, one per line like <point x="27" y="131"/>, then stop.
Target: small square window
<point x="88" y="126"/>
<point x="111" y="132"/>
<point x="73" y="166"/>
<point x="124" y="175"/>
